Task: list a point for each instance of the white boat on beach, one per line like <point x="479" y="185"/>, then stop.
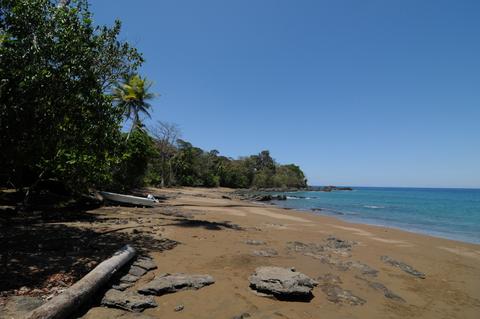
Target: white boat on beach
<point x="128" y="199"/>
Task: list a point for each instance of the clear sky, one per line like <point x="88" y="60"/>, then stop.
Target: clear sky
<point x="374" y="93"/>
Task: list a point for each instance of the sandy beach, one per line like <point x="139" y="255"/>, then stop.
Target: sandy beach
<point x="214" y="242"/>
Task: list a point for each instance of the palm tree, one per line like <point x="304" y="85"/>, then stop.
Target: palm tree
<point x="131" y="96"/>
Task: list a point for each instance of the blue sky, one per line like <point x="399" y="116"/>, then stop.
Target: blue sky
<point x="373" y="93"/>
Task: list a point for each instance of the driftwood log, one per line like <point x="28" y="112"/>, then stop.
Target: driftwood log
<point x="69" y="301"/>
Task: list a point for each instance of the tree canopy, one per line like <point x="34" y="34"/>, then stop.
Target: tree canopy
<point x="56" y="118"/>
<point x="187" y="165"/>
<point x="67" y="87"/>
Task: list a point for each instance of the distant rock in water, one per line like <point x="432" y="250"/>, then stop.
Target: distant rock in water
<point x="331" y="188"/>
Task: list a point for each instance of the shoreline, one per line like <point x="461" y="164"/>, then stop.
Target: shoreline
<point x="355" y="222"/>
<point x="436" y="214"/>
<point x="312" y="212"/>
<point x="227" y="238"/>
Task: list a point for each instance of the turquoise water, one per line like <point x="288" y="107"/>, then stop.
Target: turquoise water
<point x="447" y="213"/>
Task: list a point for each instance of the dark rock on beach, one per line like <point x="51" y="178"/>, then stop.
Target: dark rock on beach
<point x="268" y="252"/>
<point x="168" y="283"/>
<point x="179" y="308"/>
<point x="329" y="283"/>
<point x="254" y="242"/>
<point x="129" y="278"/>
<point x="330" y="279"/>
<point x="145" y="263"/>
<point x="282" y="283"/>
<point x="127" y="300"/>
<point x="19" y="306"/>
<point x="382" y="288"/>
<point x="137" y="271"/>
<point x="403" y="266"/>
<point x="337" y="243"/>
<point x="337" y="294"/>
<point x="122" y="286"/>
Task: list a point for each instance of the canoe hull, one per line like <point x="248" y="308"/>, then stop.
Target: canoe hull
<point x="128" y="199"/>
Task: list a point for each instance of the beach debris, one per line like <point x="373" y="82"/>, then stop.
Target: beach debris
<point x="282" y="283"/>
<point x="64" y="304"/>
<point x="403" y="266"/>
<point x="168" y="283"/>
<point x="267" y="252"/>
<point x="179" y="308"/>
<point x="127" y="300"/>
<point x="242" y="316"/>
<point x="382" y="288"/>
<point x="145" y="263"/>
<point x="226" y="197"/>
<point x="254" y="242"/>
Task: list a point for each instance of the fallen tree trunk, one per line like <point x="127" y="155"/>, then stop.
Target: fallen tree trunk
<point x="69" y="301"/>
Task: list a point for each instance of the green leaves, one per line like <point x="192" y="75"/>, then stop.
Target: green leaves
<point x="132" y="96"/>
<point x="57" y="70"/>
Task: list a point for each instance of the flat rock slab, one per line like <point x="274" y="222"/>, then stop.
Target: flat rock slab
<point x="337" y="294"/>
<point x="386" y="292"/>
<point x="382" y="288"/>
<point x="122" y="286"/>
<point x="255" y="242"/>
<point x="111" y="313"/>
<point x="330" y="279"/>
<point x="337" y="243"/>
<point x="145" y="263"/>
<point x="129" y="278"/>
<point x="137" y="271"/>
<point x="128" y="300"/>
<point x="268" y="252"/>
<point x="168" y="283"/>
<point x="403" y="266"/>
<point x="18" y="306"/>
<point x="282" y="283"/>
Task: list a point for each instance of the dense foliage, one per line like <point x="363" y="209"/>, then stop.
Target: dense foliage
<point x="56" y="120"/>
<point x="191" y="166"/>
<point x="66" y="88"/>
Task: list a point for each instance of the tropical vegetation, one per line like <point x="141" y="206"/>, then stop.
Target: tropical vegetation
<point x="68" y="87"/>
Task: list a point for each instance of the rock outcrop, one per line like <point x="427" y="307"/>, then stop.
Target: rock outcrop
<point x="403" y="266"/>
<point x="128" y="300"/>
<point x="282" y="283"/>
<point x="168" y="283"/>
<point x="330" y="286"/>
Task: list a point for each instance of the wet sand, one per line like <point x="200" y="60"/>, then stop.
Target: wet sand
<point x="213" y="242"/>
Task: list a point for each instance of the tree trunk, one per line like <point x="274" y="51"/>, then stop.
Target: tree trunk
<point x="68" y="302"/>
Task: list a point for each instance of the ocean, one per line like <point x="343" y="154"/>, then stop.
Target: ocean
<point x="440" y="212"/>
